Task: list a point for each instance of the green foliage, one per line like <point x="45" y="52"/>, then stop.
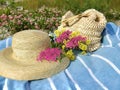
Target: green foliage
<point x="30" y="4"/>
<point x="35" y="16"/>
<point x="76" y="6"/>
<point x="2" y="2"/>
<point x="44" y="18"/>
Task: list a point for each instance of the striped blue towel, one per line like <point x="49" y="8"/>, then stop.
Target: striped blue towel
<point x="99" y="70"/>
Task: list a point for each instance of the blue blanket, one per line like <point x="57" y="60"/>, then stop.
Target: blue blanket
<point x="99" y="70"/>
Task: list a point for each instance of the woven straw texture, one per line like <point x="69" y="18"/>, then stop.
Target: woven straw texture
<point x="90" y="23"/>
<point x="19" y="61"/>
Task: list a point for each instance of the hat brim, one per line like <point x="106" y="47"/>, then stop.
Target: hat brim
<point x="18" y="70"/>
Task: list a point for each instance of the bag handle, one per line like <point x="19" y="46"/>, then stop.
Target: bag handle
<point x="91" y="14"/>
<point x="72" y="20"/>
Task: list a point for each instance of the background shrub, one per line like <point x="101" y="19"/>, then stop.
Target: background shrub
<point x="46" y="14"/>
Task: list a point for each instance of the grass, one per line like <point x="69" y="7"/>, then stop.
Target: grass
<point x="108" y="7"/>
<point x="74" y="5"/>
<point x="30" y="4"/>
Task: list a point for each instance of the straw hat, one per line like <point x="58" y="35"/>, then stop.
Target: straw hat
<point x="19" y="61"/>
<point x="90" y="23"/>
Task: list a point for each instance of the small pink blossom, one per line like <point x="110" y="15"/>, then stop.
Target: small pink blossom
<point x="56" y="24"/>
<point x="10" y="17"/>
<point x="50" y="54"/>
<point x="31" y="22"/>
<point x="19" y="22"/>
<point x="18" y="16"/>
<point x="3" y="17"/>
<point x="25" y="26"/>
<point x="4" y="23"/>
<point x="37" y="27"/>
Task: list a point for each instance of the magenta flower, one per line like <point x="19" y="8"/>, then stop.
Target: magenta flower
<point x="74" y="41"/>
<point x="19" y="22"/>
<point x="3" y="17"/>
<point x="50" y="54"/>
<point x="37" y="27"/>
<point x="10" y="17"/>
<point x="64" y="36"/>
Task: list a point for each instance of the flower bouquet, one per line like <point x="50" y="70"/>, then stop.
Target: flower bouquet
<point x="63" y="44"/>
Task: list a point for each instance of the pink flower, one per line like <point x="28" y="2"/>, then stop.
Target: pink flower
<point x="74" y="41"/>
<point x="25" y="26"/>
<point x="37" y="27"/>
<point x="4" y="23"/>
<point x="56" y="24"/>
<point x="3" y="17"/>
<point x="50" y="54"/>
<point x="18" y="16"/>
<point x="19" y="22"/>
<point x="10" y="17"/>
<point x="64" y="36"/>
<point x="31" y="22"/>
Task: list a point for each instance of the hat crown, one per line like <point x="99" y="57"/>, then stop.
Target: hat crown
<point x="19" y="61"/>
<point x="27" y="44"/>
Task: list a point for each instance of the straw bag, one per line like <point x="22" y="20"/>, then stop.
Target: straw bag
<point x="90" y="23"/>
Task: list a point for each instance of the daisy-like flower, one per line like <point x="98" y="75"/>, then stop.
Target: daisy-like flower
<point x="74" y="34"/>
<point x="70" y="54"/>
<point x="59" y="32"/>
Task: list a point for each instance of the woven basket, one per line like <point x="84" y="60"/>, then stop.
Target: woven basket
<point x="90" y="23"/>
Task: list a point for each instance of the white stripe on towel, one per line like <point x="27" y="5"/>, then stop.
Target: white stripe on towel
<point x="117" y="33"/>
<point x="7" y="42"/>
<point x="5" y="85"/>
<point x="108" y="38"/>
<point x="92" y="74"/>
<point x="108" y="62"/>
<point x="119" y="44"/>
<point x="106" y="46"/>
<point x="71" y="78"/>
<point x="52" y="84"/>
